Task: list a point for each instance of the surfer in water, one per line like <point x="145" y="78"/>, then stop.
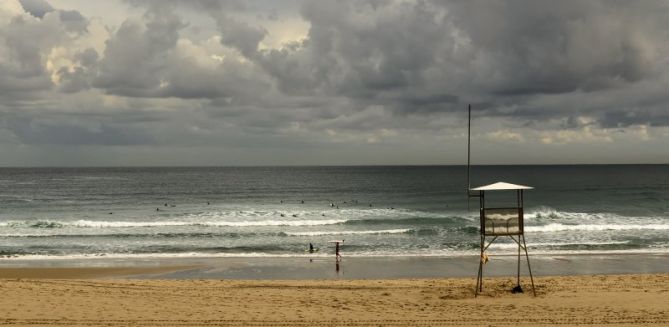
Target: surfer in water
<point x="311" y="248"/>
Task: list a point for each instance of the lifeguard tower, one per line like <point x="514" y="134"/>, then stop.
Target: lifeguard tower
<point x="498" y="222"/>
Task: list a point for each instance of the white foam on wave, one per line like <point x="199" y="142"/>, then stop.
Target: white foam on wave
<point x="556" y="227"/>
<point x="548" y="213"/>
<point x="244" y="217"/>
<point x="554" y="214"/>
<point x="350" y="232"/>
<point x="83" y="223"/>
<point x="278" y="223"/>
<point x="511" y="253"/>
<point x="103" y="224"/>
<point x="132" y="256"/>
<point x="514" y="246"/>
<point x="121" y="224"/>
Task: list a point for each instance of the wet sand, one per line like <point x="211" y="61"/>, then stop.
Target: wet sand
<point x="86" y="272"/>
<point x="324" y="267"/>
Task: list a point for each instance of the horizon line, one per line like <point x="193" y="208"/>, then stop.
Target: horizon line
<point x="343" y="165"/>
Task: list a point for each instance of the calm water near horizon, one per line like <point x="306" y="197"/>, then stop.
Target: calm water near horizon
<point x="278" y="211"/>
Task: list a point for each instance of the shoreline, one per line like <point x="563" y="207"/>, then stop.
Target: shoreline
<point x="305" y="268"/>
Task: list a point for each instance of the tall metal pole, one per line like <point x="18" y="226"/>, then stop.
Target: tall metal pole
<point x="469" y="151"/>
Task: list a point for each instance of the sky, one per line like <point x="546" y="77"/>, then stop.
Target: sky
<point x="369" y="82"/>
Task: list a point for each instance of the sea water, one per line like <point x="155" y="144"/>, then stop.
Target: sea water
<point x="277" y="211"/>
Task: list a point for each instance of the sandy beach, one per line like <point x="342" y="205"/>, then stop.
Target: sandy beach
<point x="104" y="297"/>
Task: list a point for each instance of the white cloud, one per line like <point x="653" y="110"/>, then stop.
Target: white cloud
<point x="505" y="136"/>
<point x="585" y="135"/>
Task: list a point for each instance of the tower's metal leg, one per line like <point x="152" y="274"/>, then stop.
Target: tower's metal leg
<point x="479" y="285"/>
<point x="527" y="256"/>
<point x="518" y="271"/>
<point x="479" y="276"/>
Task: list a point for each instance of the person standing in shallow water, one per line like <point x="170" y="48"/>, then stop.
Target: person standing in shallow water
<point x="311" y="248"/>
<point x="337" y="255"/>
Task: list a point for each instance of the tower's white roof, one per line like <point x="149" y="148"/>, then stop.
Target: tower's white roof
<point x="502" y="186"/>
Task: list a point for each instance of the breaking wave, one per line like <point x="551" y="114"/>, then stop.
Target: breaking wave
<point x="118" y="224"/>
<point x="562" y="227"/>
<point x="373" y="232"/>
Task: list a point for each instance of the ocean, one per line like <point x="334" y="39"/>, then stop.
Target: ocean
<point x="56" y="213"/>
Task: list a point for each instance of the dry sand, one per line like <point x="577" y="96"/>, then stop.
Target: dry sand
<point x="621" y="300"/>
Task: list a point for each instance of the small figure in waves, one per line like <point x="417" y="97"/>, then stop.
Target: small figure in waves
<point x="337" y="255"/>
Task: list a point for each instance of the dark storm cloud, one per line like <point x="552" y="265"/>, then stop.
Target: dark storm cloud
<point x="240" y="35"/>
<point x="631" y="117"/>
<point x="231" y="82"/>
<point x="428" y="50"/>
<point x="206" y="5"/>
<point x="141" y="60"/>
<point x="27" y="41"/>
<point x="80" y="76"/>
<point x="73" y="21"/>
<point x="234" y="33"/>
<point x="497" y="50"/>
<point x="72" y="80"/>
<point x="204" y="71"/>
<point x="530" y="47"/>
<point x="37" y="8"/>
<point x="34" y="131"/>
<point x="136" y="56"/>
<point x="358" y="49"/>
<point x="412" y="57"/>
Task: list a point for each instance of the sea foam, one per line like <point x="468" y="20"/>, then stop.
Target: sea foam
<point x="321" y="233"/>
<point x="562" y="227"/>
